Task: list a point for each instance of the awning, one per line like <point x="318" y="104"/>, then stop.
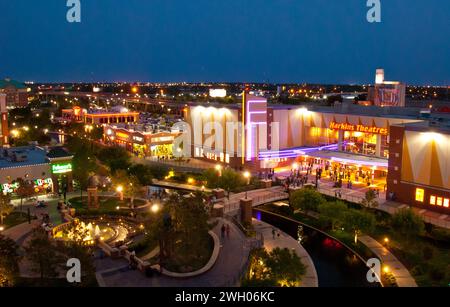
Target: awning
<point x="354" y="159"/>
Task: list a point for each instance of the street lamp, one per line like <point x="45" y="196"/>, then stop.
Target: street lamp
<point x="119" y="190"/>
<point x="247" y="176"/>
<point x="155" y="208"/>
<point x="219" y="169"/>
<point x="2" y="228"/>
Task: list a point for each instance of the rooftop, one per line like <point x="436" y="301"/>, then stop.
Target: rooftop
<point x="35" y="156"/>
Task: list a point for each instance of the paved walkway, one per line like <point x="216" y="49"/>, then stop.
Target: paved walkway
<point x="182" y="186"/>
<point x="286" y="241"/>
<point x="226" y="271"/>
<point x="401" y="274"/>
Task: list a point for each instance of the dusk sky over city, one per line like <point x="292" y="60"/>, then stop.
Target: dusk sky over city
<point x="276" y="41"/>
<point x="224" y="151"/>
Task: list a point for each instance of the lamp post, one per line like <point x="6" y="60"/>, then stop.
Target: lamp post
<point x="219" y="169"/>
<point x="119" y="190"/>
<point x="247" y="176"/>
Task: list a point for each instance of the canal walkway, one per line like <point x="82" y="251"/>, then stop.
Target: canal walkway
<point x="398" y="270"/>
<point x="284" y="240"/>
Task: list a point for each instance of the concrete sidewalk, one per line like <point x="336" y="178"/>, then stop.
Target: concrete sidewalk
<point x="310" y="278"/>
<point x="400" y="272"/>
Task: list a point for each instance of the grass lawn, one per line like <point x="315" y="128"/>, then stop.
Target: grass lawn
<point x="184" y="260"/>
<point x="15" y="218"/>
<point x="107" y="204"/>
<point x="143" y="246"/>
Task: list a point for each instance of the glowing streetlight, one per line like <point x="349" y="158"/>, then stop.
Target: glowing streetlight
<point x="2" y="228"/>
<point x="295" y="166"/>
<point x="247" y="176"/>
<point x="386" y="269"/>
<point x="155" y="208"/>
<point x="219" y="169"/>
<point x="119" y="190"/>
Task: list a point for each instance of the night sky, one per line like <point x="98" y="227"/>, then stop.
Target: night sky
<point x="316" y="41"/>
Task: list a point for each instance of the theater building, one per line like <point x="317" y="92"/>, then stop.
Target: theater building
<point x="397" y="149"/>
<point x="141" y="140"/>
<point x="419" y="166"/>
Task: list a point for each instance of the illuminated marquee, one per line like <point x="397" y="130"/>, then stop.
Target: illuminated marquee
<point x="358" y="128"/>
<point x="61" y="168"/>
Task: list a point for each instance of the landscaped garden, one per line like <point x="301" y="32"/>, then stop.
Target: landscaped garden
<point x="424" y="249"/>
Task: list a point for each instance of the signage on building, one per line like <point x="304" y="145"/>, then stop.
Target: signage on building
<point x="61" y="168"/>
<point x="358" y="128"/>
<point x="138" y="139"/>
<point x="122" y="135"/>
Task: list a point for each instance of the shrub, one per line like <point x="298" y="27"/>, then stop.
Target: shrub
<point x="427" y="252"/>
<point x="436" y="273"/>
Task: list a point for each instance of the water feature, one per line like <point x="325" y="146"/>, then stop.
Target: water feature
<point x="336" y="265"/>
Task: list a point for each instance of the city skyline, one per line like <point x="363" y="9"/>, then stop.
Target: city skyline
<point x="274" y="42"/>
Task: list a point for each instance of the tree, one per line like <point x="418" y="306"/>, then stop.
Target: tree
<point x="188" y="218"/>
<point x="115" y="158"/>
<point x="212" y="178"/>
<point x="230" y="180"/>
<point x="285" y="267"/>
<point x="9" y="261"/>
<point x="142" y="172"/>
<point x="408" y="223"/>
<point x="5" y="207"/>
<point x="130" y="184"/>
<point x="77" y="249"/>
<point x="279" y="267"/>
<point x="42" y="255"/>
<point x="333" y="212"/>
<point x="84" y="166"/>
<point x="370" y="199"/>
<point x="306" y="199"/>
<point x="25" y="190"/>
<point x="359" y="221"/>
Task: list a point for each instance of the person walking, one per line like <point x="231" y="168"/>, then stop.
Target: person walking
<point x="228" y="230"/>
<point x="222" y="230"/>
<point x="273" y="233"/>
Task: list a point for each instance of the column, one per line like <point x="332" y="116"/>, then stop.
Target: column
<point x="378" y="146"/>
<point x="340" y="140"/>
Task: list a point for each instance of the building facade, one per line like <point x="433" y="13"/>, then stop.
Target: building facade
<point x="16" y="93"/>
<point x="141" y="140"/>
<point x="4" y="131"/>
<point x="49" y="170"/>
<point x="419" y="167"/>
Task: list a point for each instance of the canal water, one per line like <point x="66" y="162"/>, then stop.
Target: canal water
<point x="336" y="265"/>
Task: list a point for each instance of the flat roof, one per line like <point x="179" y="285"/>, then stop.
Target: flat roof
<point x="35" y="156"/>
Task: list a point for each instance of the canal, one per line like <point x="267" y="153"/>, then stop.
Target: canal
<point x="336" y="265"/>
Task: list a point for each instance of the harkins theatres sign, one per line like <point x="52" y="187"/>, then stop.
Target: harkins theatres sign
<point x="358" y="128"/>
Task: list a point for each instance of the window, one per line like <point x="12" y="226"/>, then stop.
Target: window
<point x="439" y="201"/>
<point x="446" y="202"/>
<point x="432" y="200"/>
<point x="420" y="195"/>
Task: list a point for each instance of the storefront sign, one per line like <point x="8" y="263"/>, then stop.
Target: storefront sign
<point x="358" y="128"/>
<point x="61" y="168"/>
<point x="122" y="135"/>
<point x="38" y="184"/>
<point x="138" y="139"/>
